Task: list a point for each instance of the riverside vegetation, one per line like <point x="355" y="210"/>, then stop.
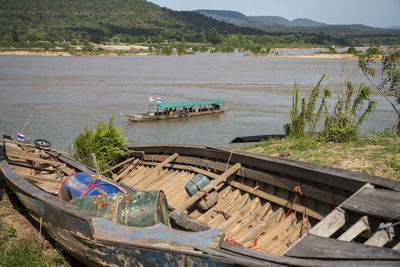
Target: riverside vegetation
<point x="75" y="26"/>
<point x="333" y="137"/>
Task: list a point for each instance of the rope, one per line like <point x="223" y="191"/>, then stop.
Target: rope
<point x="298" y="191"/>
<point x="229" y="239"/>
<point x="198" y="187"/>
<point x="386" y="227"/>
<point x="90" y="186"/>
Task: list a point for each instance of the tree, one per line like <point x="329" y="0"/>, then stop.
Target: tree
<point x="388" y="61"/>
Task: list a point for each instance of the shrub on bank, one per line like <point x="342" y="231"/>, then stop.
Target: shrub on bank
<point x="106" y="142"/>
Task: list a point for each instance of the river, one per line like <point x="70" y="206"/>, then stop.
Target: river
<point x="65" y="94"/>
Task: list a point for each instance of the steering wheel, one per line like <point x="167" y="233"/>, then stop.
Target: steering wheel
<point x="42" y="143"/>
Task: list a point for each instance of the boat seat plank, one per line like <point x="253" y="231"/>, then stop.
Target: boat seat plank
<point x="380" y="238"/>
<point x="330" y="224"/>
<point x="374" y="202"/>
<point x="316" y="247"/>
<point x="360" y="226"/>
<point x="222" y="178"/>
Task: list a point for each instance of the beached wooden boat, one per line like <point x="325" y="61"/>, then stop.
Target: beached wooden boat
<point x="268" y="210"/>
<point x="179" y="110"/>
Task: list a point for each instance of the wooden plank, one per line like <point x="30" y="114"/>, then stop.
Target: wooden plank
<point x="397" y="247"/>
<point x="244" y="212"/>
<point x="360" y="226"/>
<point x="262" y="227"/>
<point x="39" y="178"/>
<point x="124" y="173"/>
<point x="250" y="221"/>
<point x="282" y="202"/>
<point x="380" y="203"/>
<point x="33" y="158"/>
<point x="156" y="169"/>
<point x="230" y="211"/>
<point x="380" y="238"/>
<point x="276" y="231"/>
<point x="316" y="247"/>
<point x="119" y="165"/>
<point x="222" y="178"/>
<point x="330" y="224"/>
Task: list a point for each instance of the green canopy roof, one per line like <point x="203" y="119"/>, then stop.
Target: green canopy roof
<point x="188" y="104"/>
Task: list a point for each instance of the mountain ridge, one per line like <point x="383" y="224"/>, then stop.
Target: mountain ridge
<point x="233" y="17"/>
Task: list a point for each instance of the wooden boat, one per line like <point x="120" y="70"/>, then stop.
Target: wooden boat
<point x="179" y="110"/>
<point x="268" y="210"/>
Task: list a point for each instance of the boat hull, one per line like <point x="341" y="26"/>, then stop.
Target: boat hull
<point x="140" y="117"/>
<point x="97" y="241"/>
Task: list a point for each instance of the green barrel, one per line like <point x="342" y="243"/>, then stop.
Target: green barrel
<point x="139" y="209"/>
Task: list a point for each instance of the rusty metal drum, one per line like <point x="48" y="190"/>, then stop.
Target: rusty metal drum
<point x="139" y="209"/>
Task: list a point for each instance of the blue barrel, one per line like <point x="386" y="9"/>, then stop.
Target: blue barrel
<point x="199" y="180"/>
<point x="82" y="184"/>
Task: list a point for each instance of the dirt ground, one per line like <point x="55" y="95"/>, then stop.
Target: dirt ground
<point x="13" y="214"/>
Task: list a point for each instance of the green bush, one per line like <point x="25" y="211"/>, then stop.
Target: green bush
<point x="106" y="142"/>
<point x="304" y="118"/>
<point x="341" y="125"/>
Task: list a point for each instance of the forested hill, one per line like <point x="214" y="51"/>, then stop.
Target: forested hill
<point x="100" y="20"/>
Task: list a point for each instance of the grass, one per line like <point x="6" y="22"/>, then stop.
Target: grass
<point x="17" y="250"/>
<point x="24" y="252"/>
<point x="372" y="155"/>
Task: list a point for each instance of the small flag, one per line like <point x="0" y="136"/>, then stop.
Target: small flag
<point x="159" y="100"/>
<point x="20" y="136"/>
<point x="151" y="99"/>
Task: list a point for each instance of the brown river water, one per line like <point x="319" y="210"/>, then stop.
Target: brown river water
<point x="65" y="94"/>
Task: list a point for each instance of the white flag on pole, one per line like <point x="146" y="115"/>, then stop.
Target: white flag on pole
<point x="151" y="99"/>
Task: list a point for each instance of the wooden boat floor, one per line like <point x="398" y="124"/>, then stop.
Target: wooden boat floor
<point x="245" y="219"/>
<point x="37" y="167"/>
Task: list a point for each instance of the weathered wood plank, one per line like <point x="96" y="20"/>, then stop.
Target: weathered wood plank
<point x="40" y="178"/>
<point x="316" y="247"/>
<point x="360" y="226"/>
<point x="119" y="165"/>
<point x="222" y="178"/>
<point x="380" y="203"/>
<point x="156" y="169"/>
<point x="33" y="158"/>
<point x="330" y="224"/>
<point x="282" y="202"/>
<point x="250" y="221"/>
<point x="380" y="238"/>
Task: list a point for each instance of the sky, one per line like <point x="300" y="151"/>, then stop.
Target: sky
<point x="376" y="13"/>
